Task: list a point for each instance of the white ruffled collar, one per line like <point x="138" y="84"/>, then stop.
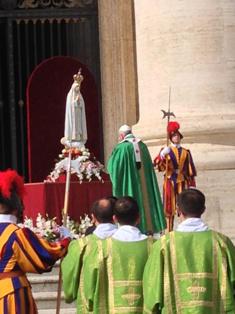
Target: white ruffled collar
<point x="192" y="225"/>
<point x="131" y="138"/>
<point x="176" y="145"/>
<point x="105" y="230"/>
<point x="8" y="219"/>
<point x="129" y="233"/>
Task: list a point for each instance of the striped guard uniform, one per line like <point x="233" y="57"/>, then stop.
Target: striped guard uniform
<point x="22" y="251"/>
<point x="179" y="175"/>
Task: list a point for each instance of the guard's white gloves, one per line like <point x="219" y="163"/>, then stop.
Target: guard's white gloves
<point x="164" y="152"/>
<point x="64" y="232"/>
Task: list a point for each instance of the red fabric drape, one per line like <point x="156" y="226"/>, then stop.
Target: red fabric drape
<point x="48" y="198"/>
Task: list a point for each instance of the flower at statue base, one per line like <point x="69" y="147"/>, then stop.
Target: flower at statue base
<point x="83" y="164"/>
<point x="85" y="223"/>
<point x="78" y="229"/>
<point x="28" y="223"/>
<point x="48" y="229"/>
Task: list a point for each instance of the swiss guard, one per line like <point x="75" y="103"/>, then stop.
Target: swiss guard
<point x="177" y="163"/>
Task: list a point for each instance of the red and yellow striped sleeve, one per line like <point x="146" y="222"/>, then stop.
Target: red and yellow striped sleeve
<point x="36" y="255"/>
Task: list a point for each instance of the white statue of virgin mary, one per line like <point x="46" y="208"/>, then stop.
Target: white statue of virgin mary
<point x="75" y="130"/>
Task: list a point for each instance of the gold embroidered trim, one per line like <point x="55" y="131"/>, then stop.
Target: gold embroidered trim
<point x="197" y="303"/>
<point x="128" y="310"/>
<point x="196" y="289"/>
<point x="82" y="243"/>
<point x="146" y="311"/>
<point x="146" y="205"/>
<point x="174" y="269"/>
<point x="167" y="290"/>
<point x="101" y="269"/>
<point x="123" y="283"/>
<point x="110" y="274"/>
<point x="224" y="266"/>
<point x="131" y="296"/>
<point x="149" y="243"/>
<point x="195" y="275"/>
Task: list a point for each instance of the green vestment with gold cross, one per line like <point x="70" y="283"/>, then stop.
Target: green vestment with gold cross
<point x="105" y="276"/>
<point x="190" y="273"/>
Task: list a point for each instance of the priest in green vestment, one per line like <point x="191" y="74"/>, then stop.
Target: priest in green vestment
<point x="191" y="270"/>
<point x="131" y="172"/>
<point x="105" y="276"/>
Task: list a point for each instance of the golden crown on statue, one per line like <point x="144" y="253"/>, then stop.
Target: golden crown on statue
<point x="78" y="78"/>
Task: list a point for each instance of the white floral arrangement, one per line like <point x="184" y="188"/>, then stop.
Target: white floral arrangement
<point x="78" y="229"/>
<point x="48" y="228"/>
<point x="83" y="165"/>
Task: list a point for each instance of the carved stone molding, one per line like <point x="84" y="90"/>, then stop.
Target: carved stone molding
<point x="32" y="4"/>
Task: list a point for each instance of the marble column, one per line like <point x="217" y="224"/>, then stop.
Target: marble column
<point x="118" y="68"/>
<point x="188" y="45"/>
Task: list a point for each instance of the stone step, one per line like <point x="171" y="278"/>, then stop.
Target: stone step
<point x="62" y="311"/>
<point x="44" y="283"/>
<point x="47" y="300"/>
<point x="54" y="271"/>
<point x="44" y="287"/>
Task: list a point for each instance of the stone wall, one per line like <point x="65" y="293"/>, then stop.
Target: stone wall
<point x="147" y="46"/>
<point x="189" y="45"/>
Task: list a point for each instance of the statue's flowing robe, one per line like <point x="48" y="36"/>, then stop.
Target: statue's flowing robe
<point x="75" y="116"/>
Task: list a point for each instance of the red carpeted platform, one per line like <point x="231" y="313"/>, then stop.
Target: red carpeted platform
<point x="48" y="198"/>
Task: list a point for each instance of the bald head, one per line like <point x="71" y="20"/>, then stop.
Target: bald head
<point x="102" y="210"/>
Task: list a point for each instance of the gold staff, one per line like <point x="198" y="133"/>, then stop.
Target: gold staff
<point x="168" y="114"/>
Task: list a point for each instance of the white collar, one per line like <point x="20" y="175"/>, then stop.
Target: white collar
<point x="130" y="138"/>
<point x="8" y="218"/>
<point x="192" y="225"/>
<point x="176" y="145"/>
<point x="128" y="233"/>
<point x="105" y="230"/>
<point x="135" y="142"/>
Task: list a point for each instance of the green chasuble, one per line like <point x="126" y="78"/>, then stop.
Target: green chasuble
<point x="190" y="273"/>
<point x="72" y="264"/>
<point x="105" y="276"/>
<point x="141" y="184"/>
